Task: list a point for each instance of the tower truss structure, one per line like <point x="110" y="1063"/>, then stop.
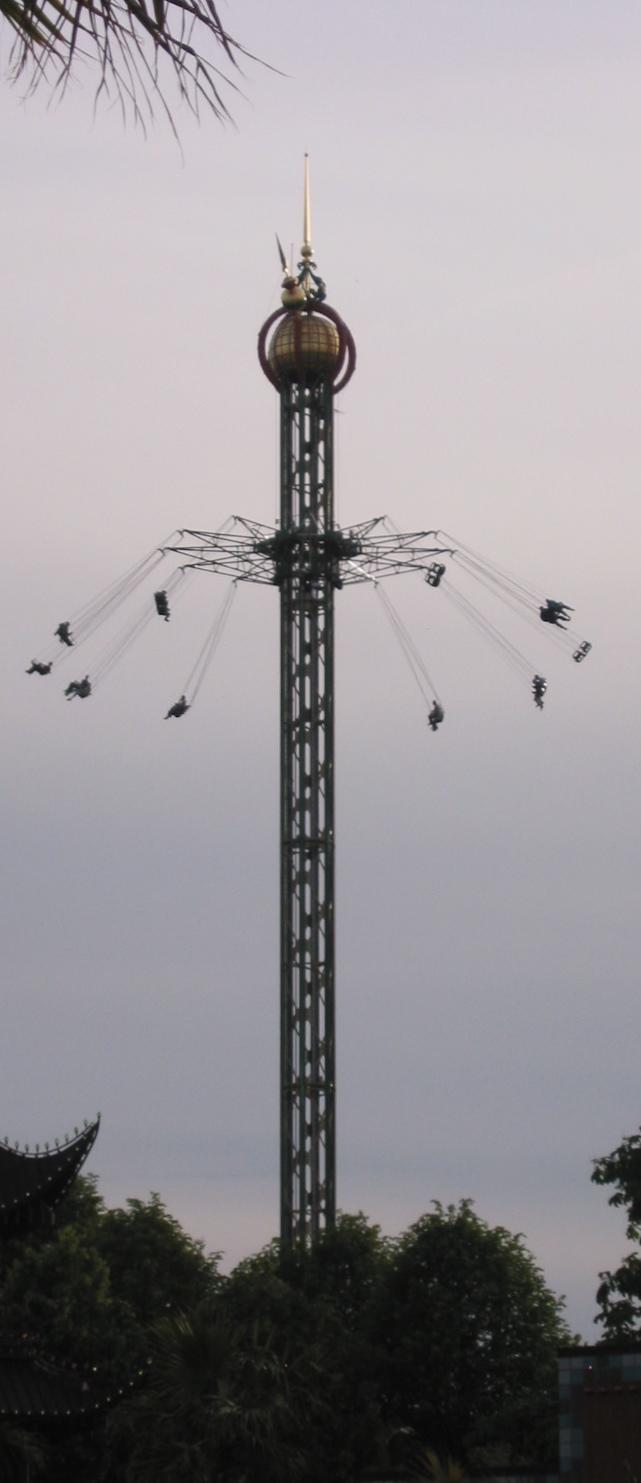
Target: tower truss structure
<point x="308" y="354"/>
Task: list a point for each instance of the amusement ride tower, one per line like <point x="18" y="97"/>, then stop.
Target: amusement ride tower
<point x="309" y="357"/>
<point x="307" y="353"/>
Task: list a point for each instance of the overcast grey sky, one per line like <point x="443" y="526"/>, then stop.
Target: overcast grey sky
<point x="477" y="219"/>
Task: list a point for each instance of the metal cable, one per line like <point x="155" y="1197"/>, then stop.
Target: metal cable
<point x="210" y="645"/>
<point x="412" y="655"/>
<point x="87" y="618"/>
<point x="504" y="645"/>
<point x="128" y="635"/>
<point x="514" y="594"/>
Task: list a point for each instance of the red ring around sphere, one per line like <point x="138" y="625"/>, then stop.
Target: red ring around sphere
<point x="343" y="373"/>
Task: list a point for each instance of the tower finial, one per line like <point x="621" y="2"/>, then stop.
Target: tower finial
<point x="306" y="286"/>
<point x="307" y="250"/>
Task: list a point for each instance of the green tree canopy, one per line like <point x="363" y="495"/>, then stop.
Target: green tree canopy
<point x="360" y="1353"/>
<point x="341" y="1271"/>
<point x="58" y="1297"/>
<point x="619" y="1292"/>
<point x="91" y="1292"/>
<point x="316" y="1302"/>
<point x="467" y="1334"/>
<point x="94" y="1288"/>
<point x="223" y="1402"/>
<point x="154" y="1266"/>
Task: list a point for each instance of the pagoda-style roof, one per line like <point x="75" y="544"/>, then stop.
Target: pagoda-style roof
<point x="33" y="1183"/>
<point x="33" y="1387"/>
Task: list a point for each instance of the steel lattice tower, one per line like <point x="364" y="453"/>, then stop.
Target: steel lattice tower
<point x="308" y="354"/>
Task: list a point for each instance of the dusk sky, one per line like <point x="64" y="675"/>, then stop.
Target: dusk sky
<point x="477" y="218"/>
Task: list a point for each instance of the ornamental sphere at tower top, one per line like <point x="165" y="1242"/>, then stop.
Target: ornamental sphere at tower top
<point x="310" y="343"/>
<point x="304" y="343"/>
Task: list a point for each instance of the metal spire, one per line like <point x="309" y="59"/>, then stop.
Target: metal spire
<point x="304" y="285"/>
<point x="307" y="250"/>
<point x="308" y="279"/>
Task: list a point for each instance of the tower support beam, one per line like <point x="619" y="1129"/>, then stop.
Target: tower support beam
<point x="307" y="571"/>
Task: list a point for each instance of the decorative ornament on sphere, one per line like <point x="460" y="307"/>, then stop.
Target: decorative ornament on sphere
<point x="305" y="340"/>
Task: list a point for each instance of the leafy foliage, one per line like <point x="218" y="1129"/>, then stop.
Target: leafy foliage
<point x="222" y="1403"/>
<point x="361" y="1353"/>
<point x="154" y="1266"/>
<point x="97" y="1287"/>
<point x="467" y="1333"/>
<point x="315" y="1302"/>
<point x="619" y="1292"/>
<point x="439" y="1471"/>
<point x="58" y="1297"/>
<point x="91" y="1293"/>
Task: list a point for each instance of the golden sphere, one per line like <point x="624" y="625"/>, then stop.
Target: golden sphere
<point x="304" y="342"/>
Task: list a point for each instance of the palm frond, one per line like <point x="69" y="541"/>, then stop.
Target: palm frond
<point x="137" y="47"/>
<point x="438" y="1469"/>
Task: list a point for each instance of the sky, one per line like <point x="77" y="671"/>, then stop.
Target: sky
<point x="477" y="218"/>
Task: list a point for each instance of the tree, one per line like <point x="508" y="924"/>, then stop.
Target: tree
<point x="341" y="1270"/>
<point x="316" y="1301"/>
<point x="221" y="1403"/>
<point x="92" y="1293"/>
<point x="134" y="44"/>
<point x="154" y="1266"/>
<point x="362" y="1352"/>
<point x="97" y="1287"/>
<point x="57" y="1297"/>
<point x="467" y="1334"/>
<point x="619" y="1292"/>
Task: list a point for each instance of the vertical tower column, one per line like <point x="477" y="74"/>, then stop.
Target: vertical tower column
<point x="308" y="354"/>
<point x="307" y="573"/>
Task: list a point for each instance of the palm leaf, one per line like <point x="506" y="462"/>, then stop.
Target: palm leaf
<point x="439" y="1470"/>
<point x="135" y="48"/>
